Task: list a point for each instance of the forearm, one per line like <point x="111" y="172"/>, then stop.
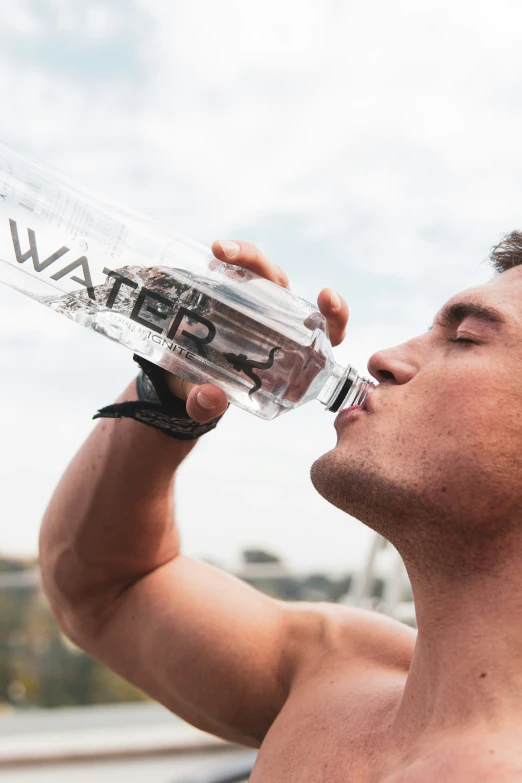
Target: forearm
<point x="111" y="518"/>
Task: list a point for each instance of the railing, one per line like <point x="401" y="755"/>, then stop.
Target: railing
<point x="235" y="775"/>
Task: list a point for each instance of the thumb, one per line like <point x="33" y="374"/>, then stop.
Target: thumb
<point x="206" y="402"/>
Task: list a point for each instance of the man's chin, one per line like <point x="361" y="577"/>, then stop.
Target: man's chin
<point x="350" y="485"/>
<point x="329" y="479"/>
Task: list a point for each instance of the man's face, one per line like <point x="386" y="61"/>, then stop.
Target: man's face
<point x="442" y="437"/>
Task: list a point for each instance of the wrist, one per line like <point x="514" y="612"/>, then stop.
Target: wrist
<point x="159" y="456"/>
<point x="157" y="407"/>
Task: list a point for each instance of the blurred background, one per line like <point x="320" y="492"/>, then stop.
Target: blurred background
<point x="368" y="146"/>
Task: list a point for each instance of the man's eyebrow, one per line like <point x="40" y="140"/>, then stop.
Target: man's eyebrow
<point x="456" y="312"/>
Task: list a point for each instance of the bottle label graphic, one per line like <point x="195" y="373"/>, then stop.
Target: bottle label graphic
<point x="241" y="363"/>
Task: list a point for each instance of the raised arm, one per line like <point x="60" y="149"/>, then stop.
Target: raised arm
<point x="212" y="649"/>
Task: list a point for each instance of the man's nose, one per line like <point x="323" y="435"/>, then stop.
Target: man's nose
<point x="392" y="366"/>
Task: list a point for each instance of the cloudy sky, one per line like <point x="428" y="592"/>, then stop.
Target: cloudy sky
<point x="369" y="146"/>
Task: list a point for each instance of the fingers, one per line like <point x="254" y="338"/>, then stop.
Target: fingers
<point x="335" y="310"/>
<point x="206" y="402"/>
<point x="247" y="255"/>
<point x="179" y="387"/>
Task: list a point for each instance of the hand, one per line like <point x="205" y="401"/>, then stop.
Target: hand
<point x="206" y="401"/>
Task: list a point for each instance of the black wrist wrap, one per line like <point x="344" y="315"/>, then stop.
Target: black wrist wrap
<point x="157" y="406"/>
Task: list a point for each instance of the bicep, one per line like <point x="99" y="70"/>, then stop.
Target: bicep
<point x="209" y="647"/>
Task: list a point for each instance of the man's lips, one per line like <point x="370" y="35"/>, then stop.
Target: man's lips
<point x="354" y="411"/>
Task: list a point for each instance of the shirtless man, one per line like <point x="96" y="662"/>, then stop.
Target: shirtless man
<point x="330" y="693"/>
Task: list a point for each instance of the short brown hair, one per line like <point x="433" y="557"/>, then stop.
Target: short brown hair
<point x="508" y="252"/>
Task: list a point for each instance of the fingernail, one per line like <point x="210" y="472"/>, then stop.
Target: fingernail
<point x="205" y="401"/>
<point x="335" y="302"/>
<point x="230" y="249"/>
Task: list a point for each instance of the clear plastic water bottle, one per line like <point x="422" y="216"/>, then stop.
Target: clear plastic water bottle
<point x="163" y="296"/>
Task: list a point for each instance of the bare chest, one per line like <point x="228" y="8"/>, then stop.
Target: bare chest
<point x="343" y="736"/>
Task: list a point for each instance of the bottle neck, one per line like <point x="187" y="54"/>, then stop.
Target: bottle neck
<point x="344" y="388"/>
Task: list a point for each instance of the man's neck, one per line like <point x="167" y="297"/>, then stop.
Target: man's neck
<point x="467" y="666"/>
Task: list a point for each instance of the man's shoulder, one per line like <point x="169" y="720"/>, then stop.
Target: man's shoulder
<point x="334" y="633"/>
